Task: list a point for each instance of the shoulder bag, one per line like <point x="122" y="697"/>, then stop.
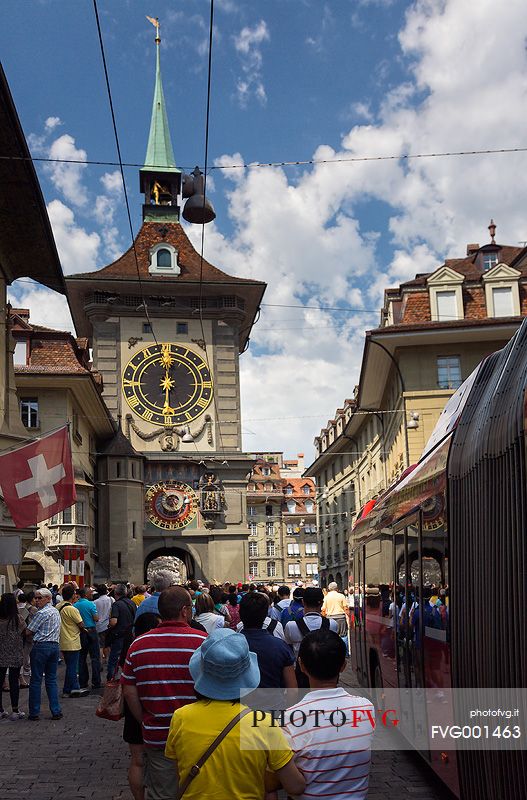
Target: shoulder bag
<point x="195" y="770"/>
<point x="111" y="704"/>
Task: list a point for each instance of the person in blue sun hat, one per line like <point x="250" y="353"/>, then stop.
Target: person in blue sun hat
<point x="243" y="763"/>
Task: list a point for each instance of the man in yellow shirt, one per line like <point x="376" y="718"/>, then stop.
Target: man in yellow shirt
<point x="335" y="607"/>
<point x="140" y="595"/>
<point x="71" y="625"/>
<point x="243" y="764"/>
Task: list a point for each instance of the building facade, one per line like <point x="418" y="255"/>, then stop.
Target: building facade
<point x="281" y="518"/>
<point x="167" y="329"/>
<point x="56" y="386"/>
<point x="27" y="249"/>
<point x="434" y="331"/>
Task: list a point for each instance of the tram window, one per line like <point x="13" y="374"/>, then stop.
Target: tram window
<point x="435" y="563"/>
<point x="378" y="573"/>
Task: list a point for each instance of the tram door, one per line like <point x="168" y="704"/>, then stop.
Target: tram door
<point x="360" y="619"/>
<point x="408" y="623"/>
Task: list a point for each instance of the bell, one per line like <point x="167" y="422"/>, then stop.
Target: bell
<point x="187" y="436"/>
<point x="198" y="210"/>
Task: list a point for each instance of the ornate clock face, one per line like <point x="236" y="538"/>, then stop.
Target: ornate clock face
<point x="167" y="384"/>
<point x="171" y="505"/>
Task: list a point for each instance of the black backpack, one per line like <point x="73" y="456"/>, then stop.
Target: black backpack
<point x="301" y="678"/>
<point x="272" y="626"/>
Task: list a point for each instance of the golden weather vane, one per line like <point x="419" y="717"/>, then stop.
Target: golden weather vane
<point x="155" y="23"/>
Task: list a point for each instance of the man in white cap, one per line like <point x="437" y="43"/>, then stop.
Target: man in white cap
<point x="44" y="629"/>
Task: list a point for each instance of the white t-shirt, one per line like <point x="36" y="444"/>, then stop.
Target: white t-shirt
<point x="278" y="630"/>
<point x="293" y="635"/>
<point x="211" y="621"/>
<point x="103" y="605"/>
<point x="336" y="760"/>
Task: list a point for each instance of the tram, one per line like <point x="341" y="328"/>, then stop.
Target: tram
<point x="453" y="531"/>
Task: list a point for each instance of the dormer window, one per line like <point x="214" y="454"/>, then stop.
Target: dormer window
<point x="446" y="306"/>
<point x="164" y="260"/>
<point x="20" y="354"/>
<point x="445" y="293"/>
<point x="502" y="291"/>
<point x="489" y="260"/>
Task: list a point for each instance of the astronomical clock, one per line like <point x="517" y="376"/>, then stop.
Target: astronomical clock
<point x="167" y="384"/>
<point x="171" y="505"/>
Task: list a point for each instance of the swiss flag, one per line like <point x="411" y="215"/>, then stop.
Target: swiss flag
<point x="36" y="480"/>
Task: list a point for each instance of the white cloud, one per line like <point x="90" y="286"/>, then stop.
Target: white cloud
<point x="112" y="182"/>
<point x="303" y="234"/>
<point x="46" y="307"/>
<point x="67" y="178"/>
<point x="51" y="123"/>
<point x="78" y="249"/>
<point x="248" y="46"/>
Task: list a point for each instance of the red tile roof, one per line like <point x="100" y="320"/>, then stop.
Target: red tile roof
<point x="467" y="266"/>
<point x="152" y="233"/>
<point x="51" y="351"/>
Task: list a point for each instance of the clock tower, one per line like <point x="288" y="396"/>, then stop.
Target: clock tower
<point x="167" y="329"/>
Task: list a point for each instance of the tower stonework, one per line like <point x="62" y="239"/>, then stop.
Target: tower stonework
<point x="167" y="329"/>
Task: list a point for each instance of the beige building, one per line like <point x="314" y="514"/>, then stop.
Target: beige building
<point x="27" y="249"/>
<point x="281" y="518"/>
<point x="434" y="331"/>
<point x="55" y="386"/>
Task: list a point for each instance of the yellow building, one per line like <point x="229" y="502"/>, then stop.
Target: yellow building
<point x="434" y="331"/>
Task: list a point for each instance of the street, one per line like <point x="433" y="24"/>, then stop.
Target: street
<point x="82" y="756"/>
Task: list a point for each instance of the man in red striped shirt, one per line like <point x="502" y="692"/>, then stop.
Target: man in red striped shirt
<point x="156" y="680"/>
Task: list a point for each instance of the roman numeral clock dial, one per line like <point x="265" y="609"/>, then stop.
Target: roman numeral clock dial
<point x="167" y="384"/>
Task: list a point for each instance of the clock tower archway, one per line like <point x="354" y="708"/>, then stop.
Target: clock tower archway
<point x="182" y="554"/>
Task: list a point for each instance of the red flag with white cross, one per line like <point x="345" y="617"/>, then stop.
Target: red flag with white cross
<point x="36" y="480"/>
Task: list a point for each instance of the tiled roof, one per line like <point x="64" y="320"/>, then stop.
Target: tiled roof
<point x="51" y="351"/>
<point x="52" y="355"/>
<point x="466" y="266"/>
<point x="120" y="446"/>
<point x="151" y="233"/>
<point x="456" y="323"/>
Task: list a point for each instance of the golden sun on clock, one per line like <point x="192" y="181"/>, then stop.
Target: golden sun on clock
<point x="167" y="384"/>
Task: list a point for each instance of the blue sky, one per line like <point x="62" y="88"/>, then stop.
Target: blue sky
<point x="292" y="80"/>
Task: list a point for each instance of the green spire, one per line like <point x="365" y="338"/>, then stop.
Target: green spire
<point x="159" y="153"/>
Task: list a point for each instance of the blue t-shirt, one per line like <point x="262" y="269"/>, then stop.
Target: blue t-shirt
<point x="88" y="610"/>
<point x="149" y="604"/>
<point x="273" y="655"/>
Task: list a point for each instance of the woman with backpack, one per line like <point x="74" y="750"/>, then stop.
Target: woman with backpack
<point x="12" y="629"/>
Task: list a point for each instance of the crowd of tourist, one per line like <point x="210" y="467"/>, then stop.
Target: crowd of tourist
<point x="186" y="656"/>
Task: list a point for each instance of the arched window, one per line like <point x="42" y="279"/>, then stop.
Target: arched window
<point x="164" y="258"/>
